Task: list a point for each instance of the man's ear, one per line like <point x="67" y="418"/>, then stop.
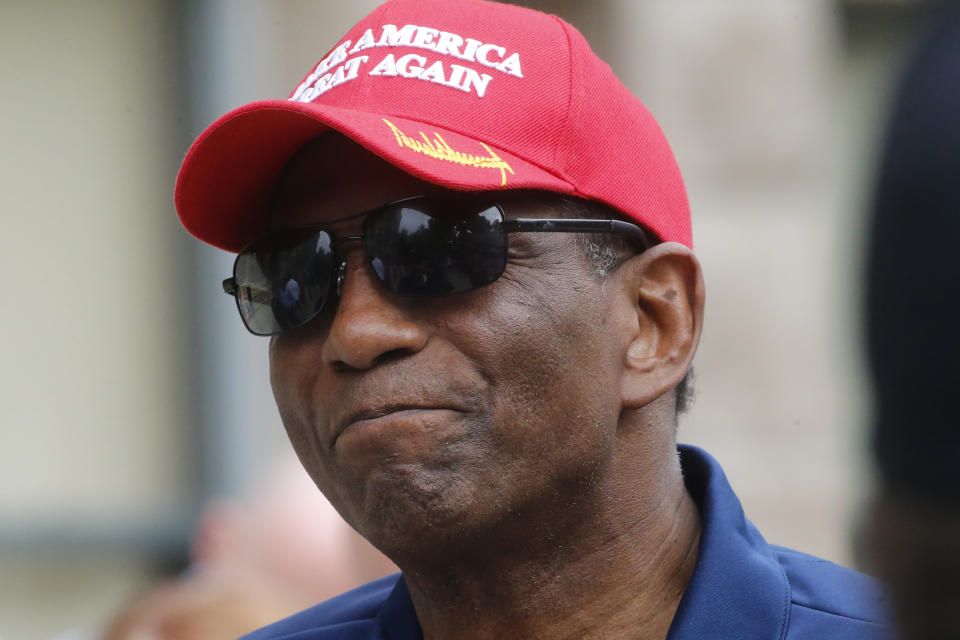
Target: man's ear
<point x="665" y="287"/>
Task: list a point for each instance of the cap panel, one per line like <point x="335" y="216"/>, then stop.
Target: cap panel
<point x="614" y="151"/>
<point x="487" y="70"/>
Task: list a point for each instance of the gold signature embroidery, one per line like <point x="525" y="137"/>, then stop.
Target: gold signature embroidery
<point x="439" y="149"/>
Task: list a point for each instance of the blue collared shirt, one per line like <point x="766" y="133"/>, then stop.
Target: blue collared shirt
<point x="741" y="589"/>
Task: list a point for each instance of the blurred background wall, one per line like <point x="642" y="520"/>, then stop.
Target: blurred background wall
<point x="130" y="393"/>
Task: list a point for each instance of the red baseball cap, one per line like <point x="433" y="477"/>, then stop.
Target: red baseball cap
<point x="466" y="94"/>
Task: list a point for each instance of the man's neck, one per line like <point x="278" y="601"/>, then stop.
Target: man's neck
<point x="617" y="571"/>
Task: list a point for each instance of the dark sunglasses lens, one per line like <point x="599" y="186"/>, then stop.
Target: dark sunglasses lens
<point x="283" y="280"/>
<point x="435" y="248"/>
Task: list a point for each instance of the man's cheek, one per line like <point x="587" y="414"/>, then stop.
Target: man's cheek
<point x="292" y="381"/>
<point x="299" y="415"/>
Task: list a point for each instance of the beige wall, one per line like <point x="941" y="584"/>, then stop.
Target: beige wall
<point x="744" y="89"/>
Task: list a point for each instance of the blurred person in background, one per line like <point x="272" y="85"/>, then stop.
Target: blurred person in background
<point x="471" y="246"/>
<point x="913" y="328"/>
<point x="255" y="560"/>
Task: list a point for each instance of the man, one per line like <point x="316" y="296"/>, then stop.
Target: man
<point x="472" y="247"/>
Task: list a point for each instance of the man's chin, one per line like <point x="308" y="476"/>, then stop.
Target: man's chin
<point x="415" y="517"/>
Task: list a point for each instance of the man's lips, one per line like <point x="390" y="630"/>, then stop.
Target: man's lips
<point x="373" y="415"/>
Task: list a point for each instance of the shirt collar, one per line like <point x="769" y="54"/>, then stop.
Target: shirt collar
<point x="738" y="588"/>
<point x="397" y="618"/>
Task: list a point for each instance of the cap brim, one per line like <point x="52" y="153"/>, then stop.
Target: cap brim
<point x="224" y="186"/>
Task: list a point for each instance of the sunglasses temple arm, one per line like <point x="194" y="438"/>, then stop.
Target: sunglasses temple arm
<point x="230" y="286"/>
<point x="629" y="229"/>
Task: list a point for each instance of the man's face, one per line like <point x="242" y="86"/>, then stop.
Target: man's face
<point x="421" y="418"/>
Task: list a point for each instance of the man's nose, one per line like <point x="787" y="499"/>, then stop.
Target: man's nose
<point x="368" y="324"/>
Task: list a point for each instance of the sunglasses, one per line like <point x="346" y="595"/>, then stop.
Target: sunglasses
<point x="424" y="246"/>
